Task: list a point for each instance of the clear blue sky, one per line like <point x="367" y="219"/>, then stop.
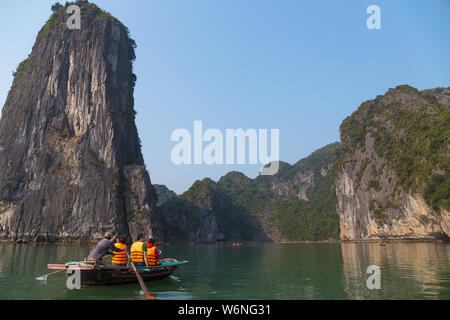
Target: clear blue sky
<point x="298" y="66"/>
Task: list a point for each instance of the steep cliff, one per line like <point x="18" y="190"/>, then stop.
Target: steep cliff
<point x="296" y="204"/>
<point x="302" y="199"/>
<point x="164" y="194"/>
<point x="387" y="179"/>
<point x="393" y="179"/>
<point x="70" y="158"/>
<point x="205" y="213"/>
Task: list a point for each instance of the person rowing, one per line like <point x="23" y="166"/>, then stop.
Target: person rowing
<point x="104" y="247"/>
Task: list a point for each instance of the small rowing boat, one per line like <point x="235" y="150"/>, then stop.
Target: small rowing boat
<point x="92" y="274"/>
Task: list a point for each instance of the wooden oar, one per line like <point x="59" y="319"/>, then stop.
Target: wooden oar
<point x="44" y="277"/>
<point x="141" y="282"/>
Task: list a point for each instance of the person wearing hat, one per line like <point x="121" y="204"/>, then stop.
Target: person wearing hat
<point x="104" y="247"/>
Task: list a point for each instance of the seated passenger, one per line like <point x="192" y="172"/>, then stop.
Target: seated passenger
<point x="139" y="252"/>
<point x="153" y="253"/>
<point x="120" y="258"/>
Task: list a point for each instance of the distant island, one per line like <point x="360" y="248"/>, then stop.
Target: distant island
<point x="387" y="179"/>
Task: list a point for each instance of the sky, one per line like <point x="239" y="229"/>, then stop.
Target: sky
<point x="298" y="66"/>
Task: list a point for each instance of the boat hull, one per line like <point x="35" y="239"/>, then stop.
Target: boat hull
<point x="109" y="275"/>
<point x="115" y="277"/>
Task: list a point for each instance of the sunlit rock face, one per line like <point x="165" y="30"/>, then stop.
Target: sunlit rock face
<point x="393" y="178"/>
<point x="70" y="158"/>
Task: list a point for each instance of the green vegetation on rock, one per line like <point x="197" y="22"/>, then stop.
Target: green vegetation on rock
<point x="243" y="207"/>
<point x="411" y="132"/>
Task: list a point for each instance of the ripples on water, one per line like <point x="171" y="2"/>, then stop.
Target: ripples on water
<point x="408" y="270"/>
<point x="271" y="271"/>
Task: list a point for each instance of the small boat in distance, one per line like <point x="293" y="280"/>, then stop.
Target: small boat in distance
<point x="92" y="274"/>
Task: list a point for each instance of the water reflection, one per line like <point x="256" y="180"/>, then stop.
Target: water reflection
<point x="20" y="264"/>
<point x="271" y="271"/>
<point x="268" y="271"/>
<point x="408" y="270"/>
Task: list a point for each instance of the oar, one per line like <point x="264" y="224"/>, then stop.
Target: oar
<point x="44" y="277"/>
<point x="141" y="282"/>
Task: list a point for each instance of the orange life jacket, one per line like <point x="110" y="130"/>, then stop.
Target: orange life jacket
<point x="119" y="257"/>
<point x="137" y="252"/>
<point x="151" y="257"/>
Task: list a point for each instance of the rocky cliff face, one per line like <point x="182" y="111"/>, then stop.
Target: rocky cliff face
<point x="205" y="214"/>
<point x="393" y="179"/>
<point x="387" y="179"/>
<point x="301" y="200"/>
<point x="70" y="160"/>
<point x="298" y="203"/>
<point x="164" y="194"/>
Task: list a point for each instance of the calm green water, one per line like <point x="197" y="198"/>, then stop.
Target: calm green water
<point x="271" y="271"/>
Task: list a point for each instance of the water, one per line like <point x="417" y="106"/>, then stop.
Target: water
<point x="270" y="271"/>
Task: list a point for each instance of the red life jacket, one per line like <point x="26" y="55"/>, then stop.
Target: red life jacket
<point x="152" y="255"/>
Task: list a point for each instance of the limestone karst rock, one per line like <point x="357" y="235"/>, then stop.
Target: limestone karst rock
<point x="70" y="157"/>
<point x="393" y="179"/>
<point x="296" y="204"/>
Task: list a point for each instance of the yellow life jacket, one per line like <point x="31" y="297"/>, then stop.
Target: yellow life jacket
<point x="137" y="252"/>
<point x="119" y="257"/>
<point x="151" y="257"/>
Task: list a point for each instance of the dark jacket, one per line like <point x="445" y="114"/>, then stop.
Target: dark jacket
<point x="102" y="248"/>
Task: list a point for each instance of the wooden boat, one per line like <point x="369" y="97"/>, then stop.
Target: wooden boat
<point x="92" y="274"/>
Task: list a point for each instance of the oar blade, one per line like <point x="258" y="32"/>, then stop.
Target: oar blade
<point x="44" y="277"/>
<point x="147" y="295"/>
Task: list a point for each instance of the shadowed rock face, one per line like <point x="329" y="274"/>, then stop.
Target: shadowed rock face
<point x="205" y="213"/>
<point x="296" y="204"/>
<point x="70" y="158"/>
<point x="164" y="194"/>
